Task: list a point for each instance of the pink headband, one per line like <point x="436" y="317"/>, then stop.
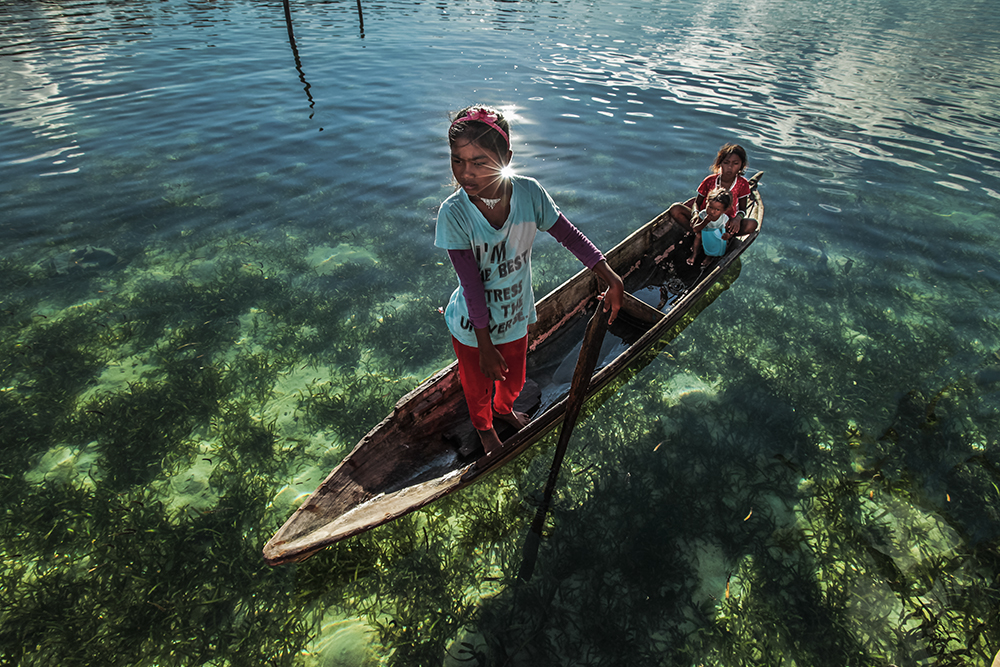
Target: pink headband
<point x="483" y="116"/>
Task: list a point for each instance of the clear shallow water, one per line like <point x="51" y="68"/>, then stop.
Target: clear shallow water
<point x="821" y="442"/>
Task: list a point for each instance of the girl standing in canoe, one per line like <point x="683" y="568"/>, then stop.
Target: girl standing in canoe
<point x="727" y="173"/>
<point x="488" y="227"/>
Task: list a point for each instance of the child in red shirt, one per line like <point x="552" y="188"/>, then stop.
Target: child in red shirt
<point x="727" y="173"/>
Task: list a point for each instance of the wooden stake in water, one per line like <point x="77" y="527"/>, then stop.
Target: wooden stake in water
<point x="585" y="365"/>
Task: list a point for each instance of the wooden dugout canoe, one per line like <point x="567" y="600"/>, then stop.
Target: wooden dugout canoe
<point x="415" y="455"/>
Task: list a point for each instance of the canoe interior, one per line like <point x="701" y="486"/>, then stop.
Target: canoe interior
<point x="413" y="456"/>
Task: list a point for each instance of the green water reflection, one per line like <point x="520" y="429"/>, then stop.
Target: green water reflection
<point x="808" y="475"/>
<point x="149" y="454"/>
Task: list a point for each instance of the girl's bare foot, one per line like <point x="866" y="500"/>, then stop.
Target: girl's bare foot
<point x="490" y="440"/>
<point x="516" y="419"/>
<point x="691" y="260"/>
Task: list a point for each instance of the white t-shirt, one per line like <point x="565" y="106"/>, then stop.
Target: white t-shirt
<point x="718" y="224"/>
<point x="503" y="255"/>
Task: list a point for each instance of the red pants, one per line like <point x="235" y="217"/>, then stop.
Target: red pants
<point x="478" y="388"/>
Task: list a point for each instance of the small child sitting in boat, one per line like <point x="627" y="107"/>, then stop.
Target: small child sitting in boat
<point x="709" y="226"/>
<point x="727" y="173"/>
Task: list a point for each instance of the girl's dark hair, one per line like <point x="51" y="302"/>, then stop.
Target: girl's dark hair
<point x="725" y="152"/>
<point x="721" y="195"/>
<point x="477" y="132"/>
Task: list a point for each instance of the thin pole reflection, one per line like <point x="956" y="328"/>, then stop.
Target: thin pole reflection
<point x="295" y="53"/>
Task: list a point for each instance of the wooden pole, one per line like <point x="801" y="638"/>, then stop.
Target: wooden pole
<point x="585" y="365"/>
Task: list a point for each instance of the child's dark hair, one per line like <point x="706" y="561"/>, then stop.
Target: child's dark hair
<point x="721" y="195"/>
<point x="725" y="152"/>
<point x="481" y="132"/>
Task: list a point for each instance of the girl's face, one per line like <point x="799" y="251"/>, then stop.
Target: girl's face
<point x="730" y="166"/>
<point x="714" y="210"/>
<point x="478" y="170"/>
